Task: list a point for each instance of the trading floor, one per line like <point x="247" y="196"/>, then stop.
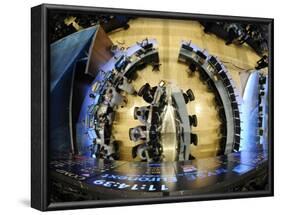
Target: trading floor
<point x="169" y="34"/>
<point x="156" y="107"/>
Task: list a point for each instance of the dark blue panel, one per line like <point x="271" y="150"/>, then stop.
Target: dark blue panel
<point x="63" y="56"/>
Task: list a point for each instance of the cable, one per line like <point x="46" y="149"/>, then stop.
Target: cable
<point x="238" y="67"/>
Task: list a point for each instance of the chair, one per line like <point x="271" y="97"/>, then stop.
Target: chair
<point x="193" y="120"/>
<point x="131" y="74"/>
<point x="210" y="85"/>
<point x="203" y="75"/>
<point x="222" y="114"/>
<point x="143" y="89"/>
<point x="135" y="133"/>
<point x="147" y="97"/>
<point x="140" y="65"/>
<point x="262" y="80"/>
<point x="135" y="112"/>
<point x="152" y="90"/>
<point x="222" y="144"/>
<point x="194" y="139"/>
<point x="192" y="67"/>
<point x="223" y="129"/>
<point x="259" y="99"/>
<point x="131" y="133"/>
<point x="191" y="157"/>
<point x="139" y="150"/>
<point x="134" y="151"/>
<point x="218" y="100"/>
<point x="186" y="98"/>
<point x="190" y="95"/>
<point x="142" y="129"/>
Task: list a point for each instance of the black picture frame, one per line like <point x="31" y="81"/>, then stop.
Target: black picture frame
<point x="39" y="108"/>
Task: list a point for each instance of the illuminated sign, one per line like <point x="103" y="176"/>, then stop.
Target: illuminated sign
<point x="135" y="187"/>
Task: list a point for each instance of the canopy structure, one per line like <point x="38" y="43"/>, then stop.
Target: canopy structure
<point x="64" y="54"/>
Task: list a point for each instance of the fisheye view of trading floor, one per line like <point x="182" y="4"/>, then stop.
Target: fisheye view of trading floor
<point x="147" y="107"/>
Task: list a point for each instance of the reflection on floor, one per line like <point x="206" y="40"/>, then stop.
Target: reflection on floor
<point x="169" y="33"/>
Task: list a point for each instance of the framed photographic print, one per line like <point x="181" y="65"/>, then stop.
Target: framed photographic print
<point x="142" y="107"/>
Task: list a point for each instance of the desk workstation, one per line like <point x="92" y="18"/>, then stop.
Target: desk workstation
<point x="149" y="147"/>
<point x="107" y="89"/>
<point x="216" y="76"/>
<point x="161" y="99"/>
<point x="121" y="69"/>
<point x="184" y="125"/>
